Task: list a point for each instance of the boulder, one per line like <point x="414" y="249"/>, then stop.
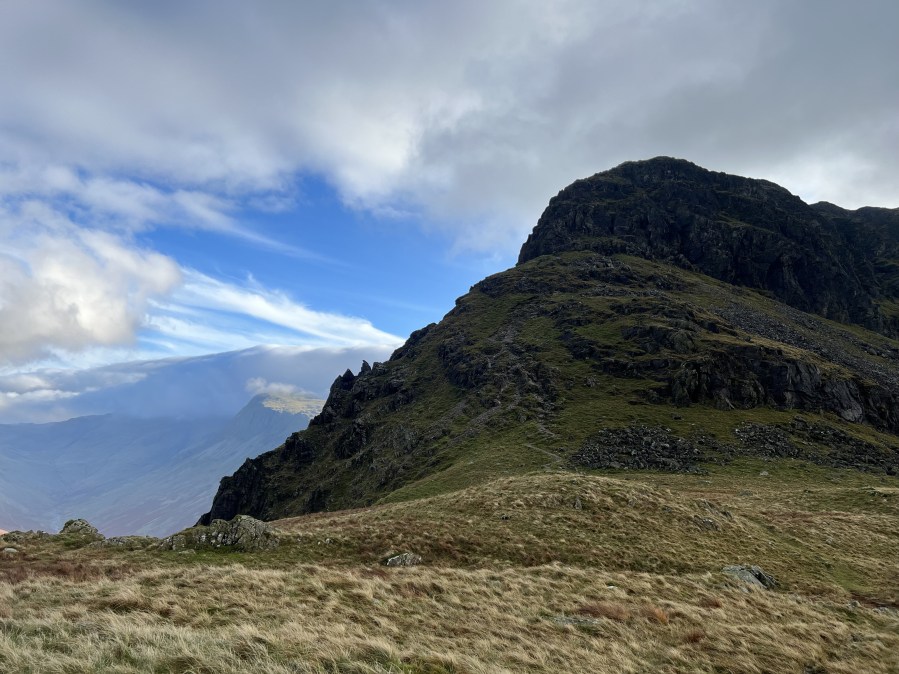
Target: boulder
<point x="80" y="527"/>
<point x="126" y="542"/>
<point x="242" y="533"/>
<point x="10" y="551"/>
<point x="80" y="530"/>
<point x="751" y="575"/>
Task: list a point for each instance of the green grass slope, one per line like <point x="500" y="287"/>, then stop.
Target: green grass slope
<point x="580" y="359"/>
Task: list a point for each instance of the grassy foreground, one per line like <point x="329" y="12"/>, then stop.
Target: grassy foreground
<point x="547" y="572"/>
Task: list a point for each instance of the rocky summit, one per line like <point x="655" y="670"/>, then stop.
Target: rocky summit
<point x="843" y="265"/>
<point x="661" y="316"/>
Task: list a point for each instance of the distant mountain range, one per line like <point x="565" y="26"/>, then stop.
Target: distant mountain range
<point x="212" y="385"/>
<point x="132" y="475"/>
<point x="139" y="447"/>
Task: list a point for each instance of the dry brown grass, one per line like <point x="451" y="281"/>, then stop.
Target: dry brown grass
<point x="694" y="635"/>
<point x="710" y="602"/>
<point x="17" y="569"/>
<point x="230" y="619"/>
<point x="626" y="582"/>
<point x="630" y="522"/>
<point x="605" y="609"/>
<point x="655" y="614"/>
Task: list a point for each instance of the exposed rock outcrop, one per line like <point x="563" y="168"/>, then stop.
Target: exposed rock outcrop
<point x="404" y="559"/>
<point x="751" y="575"/>
<point x="81" y="528"/>
<point x="241" y="533"/>
<point x="643" y="448"/>
<point x="743" y="231"/>
<point x="127" y="542"/>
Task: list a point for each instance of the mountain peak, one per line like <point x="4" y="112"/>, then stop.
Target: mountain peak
<point x="593" y="206"/>
<point x="599" y="350"/>
<point x="743" y="231"/>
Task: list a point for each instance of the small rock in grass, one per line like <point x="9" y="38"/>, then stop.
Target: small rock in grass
<point x="405" y="559"/>
<point x="10" y="551"/>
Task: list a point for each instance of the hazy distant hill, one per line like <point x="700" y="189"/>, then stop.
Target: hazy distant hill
<point x="131" y="475"/>
<point x="213" y="385"/>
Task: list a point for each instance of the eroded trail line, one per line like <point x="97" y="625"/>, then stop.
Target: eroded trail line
<point x="557" y="459"/>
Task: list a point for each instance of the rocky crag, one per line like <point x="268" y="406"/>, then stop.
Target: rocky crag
<point x="840" y="264"/>
<point x="661" y="316"/>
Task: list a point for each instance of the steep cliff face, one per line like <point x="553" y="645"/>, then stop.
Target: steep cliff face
<point x="823" y="259"/>
<point x="658" y="311"/>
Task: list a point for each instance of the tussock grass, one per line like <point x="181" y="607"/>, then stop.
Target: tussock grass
<point x="21" y="568"/>
<point x="333" y="619"/>
<point x="640" y="522"/>
<point x="605" y="609"/>
<point x="551" y="572"/>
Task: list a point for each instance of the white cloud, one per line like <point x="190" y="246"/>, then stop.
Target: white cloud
<point x="70" y="289"/>
<point x="208" y="385"/>
<point x="471" y="113"/>
<point x="205" y="294"/>
<point x="115" y="203"/>
<point x="91" y="294"/>
<point x="259" y="386"/>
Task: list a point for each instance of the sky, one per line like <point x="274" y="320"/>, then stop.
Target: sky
<point x="181" y="179"/>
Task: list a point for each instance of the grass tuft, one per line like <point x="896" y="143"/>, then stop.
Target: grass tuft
<point x="605" y="609"/>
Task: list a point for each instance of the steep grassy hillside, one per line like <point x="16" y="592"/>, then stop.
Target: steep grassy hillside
<point x="579" y="359"/>
<point x="661" y="316"/>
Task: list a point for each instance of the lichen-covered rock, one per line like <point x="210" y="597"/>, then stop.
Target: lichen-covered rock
<point x="751" y="575"/>
<point x="404" y="559"/>
<point x="126" y="542"/>
<point x="10" y="551"/>
<point x="80" y="527"/>
<point x="242" y="533"/>
<point x="25" y="536"/>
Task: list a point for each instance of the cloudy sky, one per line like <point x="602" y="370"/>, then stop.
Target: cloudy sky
<point x="184" y="178"/>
